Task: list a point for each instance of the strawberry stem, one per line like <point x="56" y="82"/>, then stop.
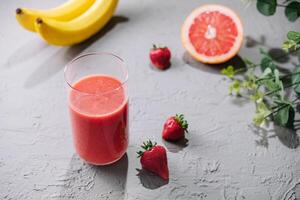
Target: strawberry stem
<point x="154" y="47"/>
<point x="147" y="146"/>
<point x="183" y="123"/>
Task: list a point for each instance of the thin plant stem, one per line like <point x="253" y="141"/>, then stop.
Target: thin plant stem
<point x="279" y="108"/>
<point x="258" y="64"/>
<point x="287" y="86"/>
<point x="281" y="77"/>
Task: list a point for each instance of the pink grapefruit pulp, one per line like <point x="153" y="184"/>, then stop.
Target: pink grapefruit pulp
<point x="212" y="34"/>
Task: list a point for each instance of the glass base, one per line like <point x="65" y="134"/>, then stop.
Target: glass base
<point x="102" y="164"/>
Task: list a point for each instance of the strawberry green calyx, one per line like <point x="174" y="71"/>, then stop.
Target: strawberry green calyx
<point x="183" y="123"/>
<point x="154" y="47"/>
<point x="147" y="146"/>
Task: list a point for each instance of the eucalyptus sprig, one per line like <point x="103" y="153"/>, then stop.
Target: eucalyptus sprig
<point x="293" y="41"/>
<point x="269" y="7"/>
<point x="266" y="88"/>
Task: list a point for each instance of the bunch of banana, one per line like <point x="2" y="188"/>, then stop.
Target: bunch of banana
<point x="70" y="23"/>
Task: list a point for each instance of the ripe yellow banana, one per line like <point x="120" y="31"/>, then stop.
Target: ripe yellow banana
<point x="79" y="29"/>
<point x="65" y="12"/>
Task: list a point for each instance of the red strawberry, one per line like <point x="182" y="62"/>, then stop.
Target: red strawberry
<point x="154" y="159"/>
<point x="160" y="57"/>
<point x="174" y="128"/>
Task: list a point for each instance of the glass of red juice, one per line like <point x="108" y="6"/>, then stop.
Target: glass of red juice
<point x="98" y="105"/>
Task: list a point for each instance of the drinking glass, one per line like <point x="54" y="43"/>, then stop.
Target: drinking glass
<point x="98" y="106"/>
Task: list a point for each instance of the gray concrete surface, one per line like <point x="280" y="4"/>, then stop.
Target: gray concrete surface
<point x="224" y="157"/>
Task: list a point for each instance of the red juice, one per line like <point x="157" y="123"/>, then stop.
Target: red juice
<point x="99" y="117"/>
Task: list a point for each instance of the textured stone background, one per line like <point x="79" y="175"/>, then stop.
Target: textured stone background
<point x="224" y="157"/>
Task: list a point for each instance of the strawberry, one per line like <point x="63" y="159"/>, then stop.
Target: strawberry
<point x="174" y="128"/>
<point x="160" y="57"/>
<point x="154" y="159"/>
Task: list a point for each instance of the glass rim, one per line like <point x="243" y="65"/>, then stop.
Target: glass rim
<point x="92" y="54"/>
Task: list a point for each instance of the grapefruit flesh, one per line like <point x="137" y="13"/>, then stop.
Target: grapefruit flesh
<point x="212" y="34"/>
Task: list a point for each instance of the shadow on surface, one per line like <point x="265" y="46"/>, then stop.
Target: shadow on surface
<point x="114" y="176"/>
<point x="104" y="181"/>
<point x="263" y="134"/>
<point x="150" y="180"/>
<point x="237" y="62"/>
<point x="239" y="100"/>
<point x="288" y="137"/>
<point x="251" y="42"/>
<point x="175" y="147"/>
<point x="27" y="51"/>
<point x="293" y="192"/>
<point x="279" y="55"/>
<point x="57" y="61"/>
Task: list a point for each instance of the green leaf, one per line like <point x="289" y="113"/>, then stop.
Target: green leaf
<point x="267" y="62"/>
<point x="266" y="7"/>
<point x="259" y="119"/>
<point x="294" y="36"/>
<point x="229" y="72"/>
<point x="276" y="75"/>
<point x="289" y="44"/>
<point x="292" y="11"/>
<point x="235" y="87"/>
<point x="250" y="82"/>
<point x="296" y="79"/>
<point x="257" y="97"/>
<point x="261" y="113"/>
<point x="263" y="52"/>
<point x="267" y="73"/>
<point x="298" y="55"/>
<point x="285" y="116"/>
<point x="272" y="83"/>
<point x="265" y="77"/>
<point x="248" y="62"/>
<point x="293" y="41"/>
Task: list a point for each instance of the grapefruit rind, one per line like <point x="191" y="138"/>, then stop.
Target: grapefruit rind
<point x="212" y="59"/>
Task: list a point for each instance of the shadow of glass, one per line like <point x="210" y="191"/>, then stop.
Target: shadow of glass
<point x="149" y="180"/>
<point x="237" y="62"/>
<point x="83" y="179"/>
<point x="175" y="147"/>
<point x="57" y="61"/>
<point x="114" y="175"/>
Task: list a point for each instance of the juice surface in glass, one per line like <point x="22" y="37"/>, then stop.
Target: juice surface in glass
<point x="99" y="116"/>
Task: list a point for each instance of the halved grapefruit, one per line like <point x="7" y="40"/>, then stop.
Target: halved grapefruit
<point x="212" y="34"/>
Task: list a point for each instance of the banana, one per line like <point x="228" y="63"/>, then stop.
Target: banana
<point x="79" y="29"/>
<point x="65" y="12"/>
